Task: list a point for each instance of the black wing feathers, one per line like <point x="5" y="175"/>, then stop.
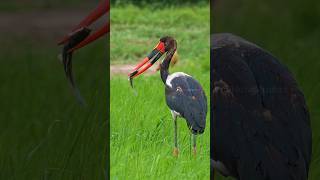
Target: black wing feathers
<point x="261" y="122"/>
<point x="187" y="98"/>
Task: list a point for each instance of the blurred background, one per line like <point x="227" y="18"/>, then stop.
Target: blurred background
<point x="161" y="3"/>
<point x="290" y="30"/>
<point x="141" y="125"/>
<point x="45" y="133"/>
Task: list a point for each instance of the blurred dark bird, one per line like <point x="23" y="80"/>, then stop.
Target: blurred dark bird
<point x="80" y="37"/>
<point x="261" y="126"/>
<point x="184" y="95"/>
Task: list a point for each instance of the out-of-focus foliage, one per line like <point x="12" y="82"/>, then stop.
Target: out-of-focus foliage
<point x="45" y="134"/>
<point x="35" y="5"/>
<point x="135" y="31"/>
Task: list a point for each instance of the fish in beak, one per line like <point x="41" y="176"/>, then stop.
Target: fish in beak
<point x="79" y="37"/>
<point x="102" y="9"/>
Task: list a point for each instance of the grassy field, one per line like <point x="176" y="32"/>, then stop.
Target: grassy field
<point x="290" y="31"/>
<point x="142" y="126"/>
<point x="45" y="133"/>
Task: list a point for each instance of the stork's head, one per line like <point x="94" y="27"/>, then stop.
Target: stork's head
<point x="170" y="43"/>
<point x="166" y="44"/>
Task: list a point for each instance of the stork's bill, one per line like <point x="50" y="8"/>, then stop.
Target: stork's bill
<point x="79" y="37"/>
<point x="102" y="9"/>
<point x="148" y="61"/>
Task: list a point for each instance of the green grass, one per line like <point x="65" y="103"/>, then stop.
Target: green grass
<point x="142" y="126"/>
<point x="290" y="31"/>
<point x="45" y="134"/>
<point x="135" y="31"/>
<point x="162" y="3"/>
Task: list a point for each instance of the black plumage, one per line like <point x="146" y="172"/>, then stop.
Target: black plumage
<point x="187" y="98"/>
<point x="261" y="126"/>
<point x="184" y="95"/>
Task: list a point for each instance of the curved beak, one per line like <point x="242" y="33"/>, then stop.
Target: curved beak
<point x="102" y="9"/>
<point x="148" y="61"/>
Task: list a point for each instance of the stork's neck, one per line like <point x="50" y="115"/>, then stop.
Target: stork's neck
<point x="164" y="70"/>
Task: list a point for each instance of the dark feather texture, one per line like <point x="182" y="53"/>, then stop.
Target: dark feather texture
<point x="187" y="97"/>
<point x="260" y="118"/>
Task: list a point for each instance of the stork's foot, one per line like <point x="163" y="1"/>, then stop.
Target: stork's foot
<point x="175" y="152"/>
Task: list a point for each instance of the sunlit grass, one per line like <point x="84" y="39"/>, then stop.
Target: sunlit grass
<point x="135" y="31"/>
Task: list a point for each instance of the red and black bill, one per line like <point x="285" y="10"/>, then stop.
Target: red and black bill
<point x="148" y="61"/>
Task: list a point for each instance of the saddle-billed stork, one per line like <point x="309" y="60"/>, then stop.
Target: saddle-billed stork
<point x="79" y="37"/>
<point x="261" y="126"/>
<point x="184" y="95"/>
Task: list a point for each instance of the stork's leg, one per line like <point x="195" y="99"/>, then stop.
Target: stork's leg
<point x="194" y="144"/>
<point x="190" y="138"/>
<point x="175" y="149"/>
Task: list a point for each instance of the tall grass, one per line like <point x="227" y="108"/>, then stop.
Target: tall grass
<point x="45" y="134"/>
<point x="135" y="31"/>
